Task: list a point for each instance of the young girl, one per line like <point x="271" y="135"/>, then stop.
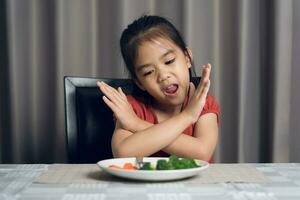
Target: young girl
<point x="170" y="116"/>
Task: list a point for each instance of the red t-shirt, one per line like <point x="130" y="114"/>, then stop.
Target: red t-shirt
<point x="146" y="113"/>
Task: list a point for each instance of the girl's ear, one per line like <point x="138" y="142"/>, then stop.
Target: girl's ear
<point x="137" y="82"/>
<point x="189" y="57"/>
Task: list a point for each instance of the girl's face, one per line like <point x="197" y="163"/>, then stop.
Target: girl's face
<point x="162" y="69"/>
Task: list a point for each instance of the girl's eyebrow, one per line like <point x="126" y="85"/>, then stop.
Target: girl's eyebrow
<point x="140" y="67"/>
<point x="167" y="53"/>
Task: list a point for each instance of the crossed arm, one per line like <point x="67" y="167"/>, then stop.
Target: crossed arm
<point x="136" y="137"/>
<point x="201" y="146"/>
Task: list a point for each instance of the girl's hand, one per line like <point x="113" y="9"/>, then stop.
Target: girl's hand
<point x="116" y="100"/>
<point x="197" y="97"/>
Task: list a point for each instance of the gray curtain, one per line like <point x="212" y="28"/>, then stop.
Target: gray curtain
<point x="253" y="46"/>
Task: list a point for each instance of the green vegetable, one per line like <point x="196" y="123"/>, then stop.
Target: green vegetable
<point x="147" y="166"/>
<point x="190" y="163"/>
<point x="164" y="165"/>
<point x="172" y="163"/>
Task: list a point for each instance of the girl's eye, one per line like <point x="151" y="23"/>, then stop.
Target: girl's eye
<point x="170" y="61"/>
<point x="148" y="73"/>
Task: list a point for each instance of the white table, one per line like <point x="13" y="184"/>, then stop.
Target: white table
<point x="17" y="182"/>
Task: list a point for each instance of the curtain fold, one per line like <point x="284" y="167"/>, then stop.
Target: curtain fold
<point x="252" y="45"/>
<point x="295" y="99"/>
<point x="248" y="68"/>
<point x="283" y="45"/>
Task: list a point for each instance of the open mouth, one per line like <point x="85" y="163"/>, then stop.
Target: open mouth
<point x="171" y="90"/>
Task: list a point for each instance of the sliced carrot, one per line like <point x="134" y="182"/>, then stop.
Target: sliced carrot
<point x="115" y="167"/>
<point x="129" y="166"/>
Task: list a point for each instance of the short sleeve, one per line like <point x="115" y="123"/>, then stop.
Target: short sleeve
<point x="211" y="106"/>
<point x="136" y="106"/>
<point x="141" y="110"/>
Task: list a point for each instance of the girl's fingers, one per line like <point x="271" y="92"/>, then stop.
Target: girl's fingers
<point x="206" y="72"/>
<point x="121" y="92"/>
<point x="109" y="89"/>
<point x="191" y="90"/>
<point x="105" y="90"/>
<point x="206" y="88"/>
<point x="110" y="104"/>
<point x="118" y="94"/>
<point x="111" y="93"/>
<point x="204" y="78"/>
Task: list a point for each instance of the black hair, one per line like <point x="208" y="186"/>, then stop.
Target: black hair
<point x="147" y="28"/>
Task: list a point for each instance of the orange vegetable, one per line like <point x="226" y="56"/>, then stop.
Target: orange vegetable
<point x="115" y="166"/>
<point x="129" y="166"/>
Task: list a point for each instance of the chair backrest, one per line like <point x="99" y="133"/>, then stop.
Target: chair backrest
<point x="89" y="121"/>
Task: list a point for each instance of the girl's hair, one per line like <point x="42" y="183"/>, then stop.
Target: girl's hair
<point x="147" y="28"/>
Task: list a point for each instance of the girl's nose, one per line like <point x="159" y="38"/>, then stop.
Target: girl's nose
<point x="163" y="75"/>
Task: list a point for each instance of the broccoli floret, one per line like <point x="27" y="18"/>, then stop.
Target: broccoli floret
<point x="180" y="165"/>
<point x="189" y="163"/>
<point x="173" y="159"/>
<point x="164" y="165"/>
<point x="176" y="163"/>
<point x="146" y="166"/>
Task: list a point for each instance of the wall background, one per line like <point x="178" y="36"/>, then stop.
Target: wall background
<point x="252" y="45"/>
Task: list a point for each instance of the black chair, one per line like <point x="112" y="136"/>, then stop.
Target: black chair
<point x="89" y="121"/>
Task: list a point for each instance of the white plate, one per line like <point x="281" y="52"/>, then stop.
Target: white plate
<point x="150" y="175"/>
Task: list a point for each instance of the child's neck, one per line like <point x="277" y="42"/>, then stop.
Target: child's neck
<point x="167" y="110"/>
<point x="163" y="113"/>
